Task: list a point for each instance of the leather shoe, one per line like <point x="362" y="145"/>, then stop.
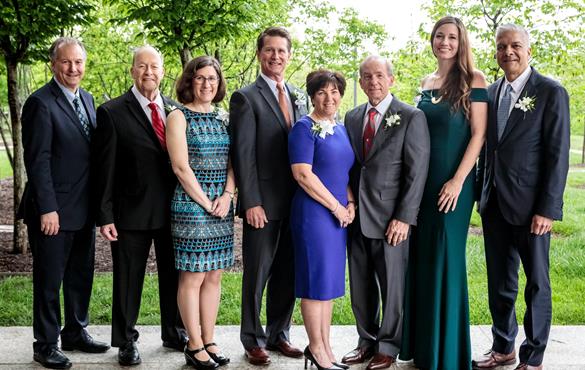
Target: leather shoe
<point x="524" y="366"/>
<point x="52" y="358"/>
<point x="257" y="356"/>
<point x="85" y="343"/>
<point x="358" y="355"/>
<point x="128" y="354"/>
<point x="492" y="359"/>
<point x="179" y="346"/>
<point x="286" y="348"/>
<point x="380" y="361"/>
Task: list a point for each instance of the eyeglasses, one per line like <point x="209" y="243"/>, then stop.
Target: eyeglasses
<point x="200" y="80"/>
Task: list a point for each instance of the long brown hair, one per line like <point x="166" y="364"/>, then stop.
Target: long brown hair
<point x="456" y="86"/>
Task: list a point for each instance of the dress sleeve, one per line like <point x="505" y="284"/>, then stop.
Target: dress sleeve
<point x="478" y="95"/>
<point x="301" y="143"/>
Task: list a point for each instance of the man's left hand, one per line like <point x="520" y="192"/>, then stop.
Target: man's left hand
<point x="397" y="232"/>
<point x="540" y="225"/>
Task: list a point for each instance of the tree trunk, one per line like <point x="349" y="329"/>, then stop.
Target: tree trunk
<point x="20" y="240"/>
<point x="185" y="54"/>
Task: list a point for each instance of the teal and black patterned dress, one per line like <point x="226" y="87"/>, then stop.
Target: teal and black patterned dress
<point x="203" y="242"/>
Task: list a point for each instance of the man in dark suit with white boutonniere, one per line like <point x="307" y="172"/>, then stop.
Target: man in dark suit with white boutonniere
<point x="261" y="115"/>
<point x="524" y="169"/>
<point x="134" y="184"/>
<point x="391" y="144"/>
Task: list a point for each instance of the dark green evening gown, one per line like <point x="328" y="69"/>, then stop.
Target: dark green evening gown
<point x="436" y="311"/>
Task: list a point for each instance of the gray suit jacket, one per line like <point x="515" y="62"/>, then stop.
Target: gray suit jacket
<point x="388" y="184"/>
<point x="260" y="148"/>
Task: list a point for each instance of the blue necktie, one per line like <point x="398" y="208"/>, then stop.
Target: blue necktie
<point x="82" y="117"/>
<point x="504" y="110"/>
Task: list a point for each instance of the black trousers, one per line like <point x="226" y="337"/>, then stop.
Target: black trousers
<point x="67" y="258"/>
<point x="377" y="274"/>
<point x="129" y="255"/>
<point x="505" y="246"/>
<point x="268" y="260"/>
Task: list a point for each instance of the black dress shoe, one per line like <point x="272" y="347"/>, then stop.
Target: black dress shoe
<point x="128" y="354"/>
<point x="190" y="359"/>
<point x="85" y="344"/>
<point x="218" y="357"/>
<point x="179" y="346"/>
<point x="52" y="358"/>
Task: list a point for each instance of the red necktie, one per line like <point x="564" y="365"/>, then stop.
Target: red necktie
<point x="370" y="131"/>
<point x="283" y="103"/>
<point x="158" y="124"/>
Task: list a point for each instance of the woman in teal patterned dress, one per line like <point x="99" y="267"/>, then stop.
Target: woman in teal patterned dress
<point x="454" y="100"/>
<point x="202" y="220"/>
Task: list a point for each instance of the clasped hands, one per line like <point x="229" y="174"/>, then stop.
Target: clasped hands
<point x="220" y="206"/>
<point x="396" y="232"/>
<point x="345" y="215"/>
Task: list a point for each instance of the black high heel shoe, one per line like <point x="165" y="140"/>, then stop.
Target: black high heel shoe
<point x="190" y="359"/>
<point x="217" y="357"/>
<point x="309" y="357"/>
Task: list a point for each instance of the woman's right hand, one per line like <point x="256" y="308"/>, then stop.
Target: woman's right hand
<point x="342" y="215"/>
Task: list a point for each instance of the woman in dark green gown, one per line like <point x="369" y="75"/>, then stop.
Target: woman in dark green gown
<point x="454" y="100"/>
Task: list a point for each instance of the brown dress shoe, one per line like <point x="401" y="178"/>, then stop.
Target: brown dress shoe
<point x="523" y="366"/>
<point x="492" y="359"/>
<point x="380" y="361"/>
<point x="286" y="348"/>
<point x="358" y="355"/>
<point x="257" y="356"/>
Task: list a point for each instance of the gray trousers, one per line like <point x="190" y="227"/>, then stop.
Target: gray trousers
<point x="377" y="273"/>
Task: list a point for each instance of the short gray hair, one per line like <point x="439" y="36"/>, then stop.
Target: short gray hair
<point x="139" y="49"/>
<point x="377" y="58"/>
<point x="511" y="27"/>
<point x="61" y="41"/>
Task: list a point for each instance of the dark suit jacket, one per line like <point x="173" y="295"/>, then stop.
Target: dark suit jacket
<point x="260" y="148"/>
<point x="530" y="162"/>
<point x="133" y="178"/>
<point x="389" y="183"/>
<point x="57" y="158"/>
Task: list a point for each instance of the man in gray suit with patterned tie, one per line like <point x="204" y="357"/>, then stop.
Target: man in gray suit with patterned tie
<point x="391" y="144"/>
<point x="57" y="125"/>
<point x="526" y="163"/>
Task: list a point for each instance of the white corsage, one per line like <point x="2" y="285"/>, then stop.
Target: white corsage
<point x="322" y="128"/>
<point x="223" y="116"/>
<point x="526" y="104"/>
<point x="391" y="120"/>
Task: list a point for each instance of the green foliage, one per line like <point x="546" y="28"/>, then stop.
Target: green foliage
<point x="5" y="167"/>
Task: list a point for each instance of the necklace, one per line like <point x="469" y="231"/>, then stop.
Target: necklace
<point x="433" y="99"/>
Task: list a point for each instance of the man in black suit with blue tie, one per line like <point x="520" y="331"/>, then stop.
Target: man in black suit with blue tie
<point x="57" y="123"/>
<point x="526" y="164"/>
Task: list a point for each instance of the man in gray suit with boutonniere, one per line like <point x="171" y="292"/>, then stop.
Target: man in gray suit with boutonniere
<point x="391" y="144"/>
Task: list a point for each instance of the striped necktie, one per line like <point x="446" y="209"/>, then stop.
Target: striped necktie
<point x="82" y="117"/>
<point x="504" y="110"/>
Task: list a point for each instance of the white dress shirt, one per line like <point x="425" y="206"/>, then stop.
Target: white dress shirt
<point x="143" y="101"/>
<point x="517" y="87"/>
<point x="272" y="84"/>
<point x="381" y="108"/>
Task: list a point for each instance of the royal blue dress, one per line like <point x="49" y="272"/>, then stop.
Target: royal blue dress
<point x="319" y="242"/>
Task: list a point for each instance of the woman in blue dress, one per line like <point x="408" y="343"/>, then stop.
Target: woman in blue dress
<point x="454" y="100"/>
<point x="321" y="157"/>
<point x="202" y="221"/>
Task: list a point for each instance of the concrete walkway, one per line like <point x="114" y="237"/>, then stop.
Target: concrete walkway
<point x="566" y="349"/>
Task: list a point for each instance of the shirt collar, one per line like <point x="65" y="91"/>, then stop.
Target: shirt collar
<point x="382" y="106"/>
<point x="70" y="95"/>
<point x="271" y="83"/>
<point x="519" y="83"/>
<point x="143" y="101"/>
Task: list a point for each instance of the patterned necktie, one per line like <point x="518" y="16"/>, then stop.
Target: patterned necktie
<point x="504" y="110"/>
<point x="158" y="124"/>
<point x="82" y="118"/>
<point x="283" y="103"/>
<point x="370" y="131"/>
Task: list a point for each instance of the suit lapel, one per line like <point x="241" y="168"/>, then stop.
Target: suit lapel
<point x="66" y="107"/>
<point x="267" y="94"/>
<point x="383" y="131"/>
<point x="492" y="129"/>
<point x="518" y="115"/>
<point x="138" y="113"/>
<point x="296" y="96"/>
<point x="354" y="130"/>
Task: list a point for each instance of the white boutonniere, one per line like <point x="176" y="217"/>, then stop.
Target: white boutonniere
<point x="391" y="120"/>
<point x="322" y="128"/>
<point x="301" y="102"/>
<point x="223" y="116"/>
<point x="418" y="96"/>
<point x="526" y="104"/>
<point x="169" y="108"/>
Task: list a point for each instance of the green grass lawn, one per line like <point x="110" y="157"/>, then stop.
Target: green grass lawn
<point x="567" y="256"/>
<point x="5" y="168"/>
